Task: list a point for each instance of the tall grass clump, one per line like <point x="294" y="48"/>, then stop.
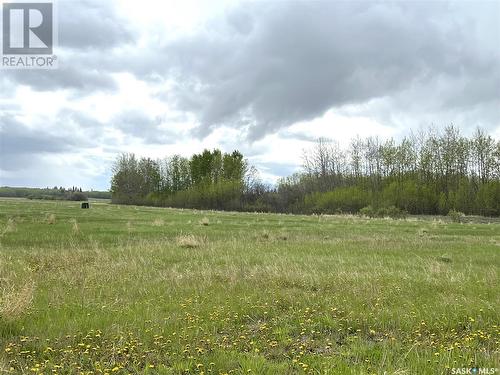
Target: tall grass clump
<point x="74" y="226"/>
<point x="11" y="226"/>
<point x="15" y="303"/>
<point x="158" y="223"/>
<point x="50" y="219"/>
<point x="188" y="241"/>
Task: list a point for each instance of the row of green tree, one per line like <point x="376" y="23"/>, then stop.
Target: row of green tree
<point x="210" y="180"/>
<point x="56" y="193"/>
<point x="428" y="172"/>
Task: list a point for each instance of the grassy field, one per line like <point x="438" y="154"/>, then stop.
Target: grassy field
<point x="118" y="289"/>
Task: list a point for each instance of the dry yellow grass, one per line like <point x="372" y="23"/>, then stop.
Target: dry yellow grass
<point x="15" y="303"/>
<point x="4" y="367"/>
<point x="158" y="223"/>
<point x="188" y="241"/>
<point x="74" y="226"/>
<point x="11" y="226"/>
<point x="50" y="219"/>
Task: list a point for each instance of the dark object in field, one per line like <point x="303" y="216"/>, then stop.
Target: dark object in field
<point x="444" y="259"/>
<point x="85" y="205"/>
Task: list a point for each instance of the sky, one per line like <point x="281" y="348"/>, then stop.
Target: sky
<point x="158" y="78"/>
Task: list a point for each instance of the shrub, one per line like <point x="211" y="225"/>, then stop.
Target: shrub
<point x="382" y="212"/>
<point x="349" y="199"/>
<point x="456" y="216"/>
<point x="368" y="211"/>
<point x="393" y="212"/>
<point x="396" y="213"/>
<point x="77" y="196"/>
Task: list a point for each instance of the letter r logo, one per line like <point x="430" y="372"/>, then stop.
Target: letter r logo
<point x="27" y="28"/>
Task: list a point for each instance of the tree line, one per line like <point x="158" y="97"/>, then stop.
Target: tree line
<point x="209" y="180"/>
<point x="56" y="193"/>
<point x="428" y="172"/>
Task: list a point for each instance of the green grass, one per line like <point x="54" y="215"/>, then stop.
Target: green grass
<point x="118" y="289"/>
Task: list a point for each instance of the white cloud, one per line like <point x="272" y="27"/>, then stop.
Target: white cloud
<point x="170" y="77"/>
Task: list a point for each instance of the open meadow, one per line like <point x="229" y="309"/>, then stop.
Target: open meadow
<point x="125" y="289"/>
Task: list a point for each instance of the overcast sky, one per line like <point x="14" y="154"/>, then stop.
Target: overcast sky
<point x="163" y="77"/>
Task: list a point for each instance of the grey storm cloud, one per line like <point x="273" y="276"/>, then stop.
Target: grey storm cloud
<point x="81" y="80"/>
<point x="91" y="24"/>
<point x="140" y="125"/>
<point x="17" y="138"/>
<point x="261" y="67"/>
<point x="265" y="67"/>
<point x="21" y="144"/>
